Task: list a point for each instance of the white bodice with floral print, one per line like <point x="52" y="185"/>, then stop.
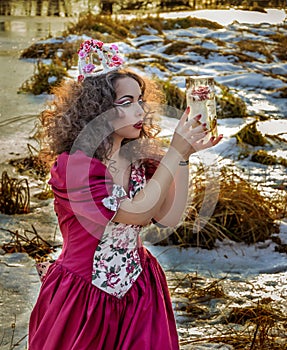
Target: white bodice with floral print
<point x="116" y="263"/>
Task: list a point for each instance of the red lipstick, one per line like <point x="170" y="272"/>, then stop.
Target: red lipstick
<point x="138" y="125"/>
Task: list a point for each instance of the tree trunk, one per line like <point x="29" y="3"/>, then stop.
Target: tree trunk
<point x="54" y="8"/>
<point x="107" y="7"/>
<point x="38" y="7"/>
<point x="5" y="7"/>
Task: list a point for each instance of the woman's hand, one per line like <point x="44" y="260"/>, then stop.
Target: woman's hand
<point x="153" y="201"/>
<point x="189" y="136"/>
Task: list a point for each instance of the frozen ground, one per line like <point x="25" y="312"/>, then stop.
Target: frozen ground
<point x="240" y="265"/>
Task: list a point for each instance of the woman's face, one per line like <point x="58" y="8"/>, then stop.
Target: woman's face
<point x="129" y="104"/>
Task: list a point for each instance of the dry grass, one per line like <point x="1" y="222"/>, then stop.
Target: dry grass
<point x="230" y="106"/>
<point x="263" y="157"/>
<point x="29" y="242"/>
<point x="44" y="78"/>
<point x="14" y="195"/>
<point x="194" y="290"/>
<point x="102" y="27"/>
<point x="105" y="26"/>
<point x="188" y="22"/>
<point x="250" y="135"/>
<point x="258" y="325"/>
<point x="32" y="165"/>
<point x="177" y="47"/>
<point x="174" y="96"/>
<point x="264" y="327"/>
<point x="282" y="92"/>
<point x="237" y="211"/>
<point x="257" y="47"/>
<point x="280" y="49"/>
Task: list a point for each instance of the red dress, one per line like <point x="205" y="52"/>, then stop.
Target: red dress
<point x="105" y="291"/>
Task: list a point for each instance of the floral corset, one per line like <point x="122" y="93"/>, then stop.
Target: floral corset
<point x="116" y="263"/>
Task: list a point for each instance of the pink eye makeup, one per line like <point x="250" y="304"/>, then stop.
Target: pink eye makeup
<point x="127" y="101"/>
<point x="122" y="103"/>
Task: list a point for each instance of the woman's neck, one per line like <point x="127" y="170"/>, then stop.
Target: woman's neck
<point x="117" y="142"/>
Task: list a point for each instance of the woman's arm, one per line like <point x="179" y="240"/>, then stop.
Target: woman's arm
<point x="149" y="202"/>
<point x="170" y="213"/>
<point x="173" y="207"/>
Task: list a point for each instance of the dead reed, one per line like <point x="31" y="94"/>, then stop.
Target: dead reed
<point x="263" y="157"/>
<point x="258" y="325"/>
<point x="29" y="242"/>
<point x="264" y="327"/>
<point x="14" y="195"/>
<point x="45" y="77"/>
<point x="32" y="164"/>
<point x="238" y="211"/>
<point x="194" y="294"/>
<point x="250" y="135"/>
<point x="229" y="105"/>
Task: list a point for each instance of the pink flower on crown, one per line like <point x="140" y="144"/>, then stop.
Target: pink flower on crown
<point x="98" y="44"/>
<point x="117" y="61"/>
<point x="88" y="68"/>
<point x="87" y="48"/>
<point x="82" y="53"/>
<point x="114" y="47"/>
<point x="80" y="78"/>
<point x="87" y="42"/>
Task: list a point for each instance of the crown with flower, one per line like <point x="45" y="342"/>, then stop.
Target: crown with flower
<point x="106" y="54"/>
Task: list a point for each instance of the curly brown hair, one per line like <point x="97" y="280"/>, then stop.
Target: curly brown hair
<point x="77" y="104"/>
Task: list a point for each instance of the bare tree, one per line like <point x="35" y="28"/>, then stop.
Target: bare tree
<point x="53" y="8"/>
<point x="107" y="6"/>
<point x="5" y="7"/>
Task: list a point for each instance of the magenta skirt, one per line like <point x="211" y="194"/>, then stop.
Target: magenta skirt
<point x="72" y="314"/>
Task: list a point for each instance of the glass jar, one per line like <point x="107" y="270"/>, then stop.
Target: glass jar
<point x="200" y="97"/>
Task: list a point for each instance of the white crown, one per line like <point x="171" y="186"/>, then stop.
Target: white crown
<point x="106" y="55"/>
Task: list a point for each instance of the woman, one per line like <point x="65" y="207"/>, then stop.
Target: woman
<point x="106" y="291"/>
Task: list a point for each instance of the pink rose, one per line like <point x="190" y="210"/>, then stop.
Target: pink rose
<point x="117" y="61"/>
<point x="130" y="268"/>
<point x="98" y="44"/>
<point x="88" y="68"/>
<point x="112" y="279"/>
<point x="201" y="93"/>
<point x="82" y="53"/>
<point x="87" y="47"/>
<point x="102" y="264"/>
<point x="114" y="47"/>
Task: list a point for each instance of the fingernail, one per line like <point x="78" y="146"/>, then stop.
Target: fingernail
<point x="197" y="117"/>
<point x="204" y="125"/>
<point x="187" y="109"/>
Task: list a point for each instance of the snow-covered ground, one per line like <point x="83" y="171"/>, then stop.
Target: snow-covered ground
<point x="254" y="81"/>
<point x="235" y="260"/>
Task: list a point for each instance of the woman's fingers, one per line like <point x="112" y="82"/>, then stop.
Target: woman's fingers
<point x="198" y="129"/>
<point x="194" y="137"/>
<point x="194" y="134"/>
<point x="190" y="122"/>
<point x="210" y="143"/>
<point x="184" y="117"/>
<point x="195" y="121"/>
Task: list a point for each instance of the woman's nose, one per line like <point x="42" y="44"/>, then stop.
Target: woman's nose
<point x="140" y="110"/>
